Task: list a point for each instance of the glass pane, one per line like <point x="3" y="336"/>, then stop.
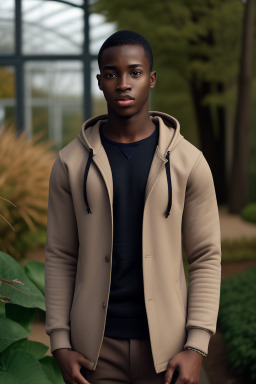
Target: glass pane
<point x="6" y="26"/>
<point x="54" y="99"/>
<point x="99" y="31"/>
<point x="7" y="96"/>
<point x="51" y="27"/>
<point x="99" y="105"/>
<point x="77" y="2"/>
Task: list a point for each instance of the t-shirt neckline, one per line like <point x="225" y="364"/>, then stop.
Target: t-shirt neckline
<point x="128" y="144"/>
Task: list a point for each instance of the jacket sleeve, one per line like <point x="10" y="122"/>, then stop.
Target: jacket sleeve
<point x="61" y="253"/>
<point x="202" y="244"/>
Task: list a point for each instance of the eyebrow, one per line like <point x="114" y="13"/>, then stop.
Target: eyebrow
<point x="129" y="66"/>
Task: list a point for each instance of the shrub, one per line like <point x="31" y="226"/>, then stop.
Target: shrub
<point x="237" y="320"/>
<point x="25" y="166"/>
<point x="20" y="297"/>
<point x="243" y="248"/>
<point x="248" y="213"/>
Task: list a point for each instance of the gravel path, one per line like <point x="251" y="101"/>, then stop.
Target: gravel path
<point x="233" y="226"/>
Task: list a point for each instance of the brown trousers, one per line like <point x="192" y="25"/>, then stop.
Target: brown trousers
<point x="124" y="361"/>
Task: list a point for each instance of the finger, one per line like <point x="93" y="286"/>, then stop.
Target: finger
<point x="80" y="379"/>
<point x="169" y="374"/>
<point x="83" y="381"/>
<point x="84" y="373"/>
<point x="175" y="377"/>
<point x="180" y="381"/>
<point x="85" y="362"/>
<point x="77" y="377"/>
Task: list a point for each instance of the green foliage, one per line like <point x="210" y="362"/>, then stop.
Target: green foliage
<point x="51" y="370"/>
<point x="30" y="296"/>
<point x="10" y="332"/>
<point x="35" y="271"/>
<point x="197" y="48"/>
<point x="23" y="361"/>
<point x="248" y="213"/>
<point x="23" y="316"/>
<point x="237" y="320"/>
<point x="37" y="349"/>
<point x="197" y="40"/>
<point x="23" y="367"/>
<point x="243" y="248"/>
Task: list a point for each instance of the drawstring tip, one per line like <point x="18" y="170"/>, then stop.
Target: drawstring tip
<point x="89" y="210"/>
<point x="167" y="214"/>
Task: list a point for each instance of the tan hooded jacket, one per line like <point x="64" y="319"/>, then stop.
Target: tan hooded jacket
<point x="79" y="245"/>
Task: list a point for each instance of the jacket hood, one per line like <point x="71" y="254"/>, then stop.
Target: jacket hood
<point x="169" y="138"/>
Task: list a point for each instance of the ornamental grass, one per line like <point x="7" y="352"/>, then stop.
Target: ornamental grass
<point x="25" y="166"/>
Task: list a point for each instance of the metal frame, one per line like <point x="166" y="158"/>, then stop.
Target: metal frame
<point x="18" y="59"/>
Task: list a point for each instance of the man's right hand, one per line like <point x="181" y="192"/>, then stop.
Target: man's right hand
<point x="70" y="363"/>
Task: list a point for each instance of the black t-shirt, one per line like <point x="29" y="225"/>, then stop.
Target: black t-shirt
<point x="130" y="164"/>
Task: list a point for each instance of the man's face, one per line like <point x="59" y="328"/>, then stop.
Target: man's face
<point x="125" y="79"/>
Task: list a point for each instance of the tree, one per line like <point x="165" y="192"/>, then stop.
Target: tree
<point x="239" y="191"/>
<point x="196" y="45"/>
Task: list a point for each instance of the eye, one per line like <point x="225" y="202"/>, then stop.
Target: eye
<point x="136" y="73"/>
<point x="110" y="75"/>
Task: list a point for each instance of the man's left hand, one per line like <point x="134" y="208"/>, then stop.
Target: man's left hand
<point x="188" y="364"/>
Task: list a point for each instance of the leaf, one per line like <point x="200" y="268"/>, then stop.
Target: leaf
<point x="24" y="367"/>
<point x="10" y="331"/>
<point x="23" y="316"/>
<point x="10" y="270"/>
<point x="2" y="308"/>
<point x="35" y="271"/>
<point x="36" y="349"/>
<point x="52" y="370"/>
<point x="7" y="378"/>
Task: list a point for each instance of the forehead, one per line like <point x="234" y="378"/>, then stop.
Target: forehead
<point x="124" y="55"/>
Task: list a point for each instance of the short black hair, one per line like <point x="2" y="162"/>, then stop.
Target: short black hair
<point x="126" y="37"/>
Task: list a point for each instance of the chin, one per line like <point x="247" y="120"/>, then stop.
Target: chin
<point x="126" y="113"/>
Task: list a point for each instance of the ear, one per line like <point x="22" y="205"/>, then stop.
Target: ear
<point x="152" y="79"/>
<point x="98" y="78"/>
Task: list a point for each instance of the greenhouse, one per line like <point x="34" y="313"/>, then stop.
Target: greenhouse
<point x="48" y="64"/>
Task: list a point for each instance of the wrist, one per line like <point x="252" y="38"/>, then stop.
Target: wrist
<point x="56" y="351"/>
<point x="203" y="354"/>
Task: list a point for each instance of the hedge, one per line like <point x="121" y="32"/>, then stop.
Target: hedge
<point x="237" y="321"/>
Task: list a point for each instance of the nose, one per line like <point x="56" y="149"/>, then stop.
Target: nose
<point x="123" y="83"/>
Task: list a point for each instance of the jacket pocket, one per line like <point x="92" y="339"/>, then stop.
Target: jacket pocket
<point x="181" y="301"/>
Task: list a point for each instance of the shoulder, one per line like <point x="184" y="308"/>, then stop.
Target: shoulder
<point x="190" y="151"/>
<point x="73" y="149"/>
<point x="67" y="158"/>
<point x="194" y="164"/>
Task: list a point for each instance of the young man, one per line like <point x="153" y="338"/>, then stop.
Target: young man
<point x="123" y="198"/>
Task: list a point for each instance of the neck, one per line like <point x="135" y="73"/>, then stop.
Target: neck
<point x="128" y="130"/>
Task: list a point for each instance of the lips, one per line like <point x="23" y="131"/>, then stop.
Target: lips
<point x="125" y="100"/>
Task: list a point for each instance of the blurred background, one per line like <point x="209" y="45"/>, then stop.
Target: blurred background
<point x="204" y="55"/>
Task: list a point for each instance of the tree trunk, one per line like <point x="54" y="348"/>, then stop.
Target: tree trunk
<point x="239" y="185"/>
<point x="212" y="148"/>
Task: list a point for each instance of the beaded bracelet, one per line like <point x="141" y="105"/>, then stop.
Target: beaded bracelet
<point x="197" y="350"/>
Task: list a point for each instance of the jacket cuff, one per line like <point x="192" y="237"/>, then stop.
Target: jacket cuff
<point x="198" y="339"/>
<point x="60" y="339"/>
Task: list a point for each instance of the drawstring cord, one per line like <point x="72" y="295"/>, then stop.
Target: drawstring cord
<point x="85" y="179"/>
<point x="168" y="174"/>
